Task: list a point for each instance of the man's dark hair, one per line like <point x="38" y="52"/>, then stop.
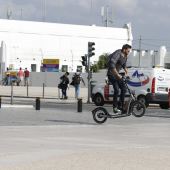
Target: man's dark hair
<point x="126" y="46"/>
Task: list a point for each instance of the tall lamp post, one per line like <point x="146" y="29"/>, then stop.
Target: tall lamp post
<point x="44" y="10"/>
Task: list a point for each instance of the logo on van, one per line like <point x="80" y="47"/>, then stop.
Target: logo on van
<point x="139" y="79"/>
<point x="160" y="78"/>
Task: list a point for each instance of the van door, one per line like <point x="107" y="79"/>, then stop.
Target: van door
<point x="111" y="91"/>
<point x="162" y="82"/>
<point x="140" y="80"/>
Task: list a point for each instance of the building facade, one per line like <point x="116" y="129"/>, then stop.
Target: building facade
<point x="27" y="44"/>
<point x="150" y="58"/>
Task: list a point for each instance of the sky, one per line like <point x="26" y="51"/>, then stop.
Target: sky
<point x="149" y="18"/>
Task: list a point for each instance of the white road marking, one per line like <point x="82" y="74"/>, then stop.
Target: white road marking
<point x="16" y="106"/>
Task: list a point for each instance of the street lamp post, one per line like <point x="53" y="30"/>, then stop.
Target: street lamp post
<point x="44" y="10"/>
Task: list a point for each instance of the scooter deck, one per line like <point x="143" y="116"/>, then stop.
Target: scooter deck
<point x="108" y="115"/>
<point x="118" y="115"/>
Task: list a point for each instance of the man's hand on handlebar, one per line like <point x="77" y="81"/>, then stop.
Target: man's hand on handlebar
<point x="120" y="77"/>
<point x="125" y="78"/>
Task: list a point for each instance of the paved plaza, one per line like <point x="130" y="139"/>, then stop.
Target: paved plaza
<point x="58" y="137"/>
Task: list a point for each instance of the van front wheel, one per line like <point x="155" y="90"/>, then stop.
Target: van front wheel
<point x="143" y="100"/>
<point x="98" y="100"/>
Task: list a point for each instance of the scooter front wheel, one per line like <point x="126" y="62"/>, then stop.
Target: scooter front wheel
<point x="137" y="109"/>
<point x="100" y="115"/>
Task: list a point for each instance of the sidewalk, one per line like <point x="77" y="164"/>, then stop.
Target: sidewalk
<point x="49" y="92"/>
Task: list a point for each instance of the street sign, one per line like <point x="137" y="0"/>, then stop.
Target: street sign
<point x="50" y="65"/>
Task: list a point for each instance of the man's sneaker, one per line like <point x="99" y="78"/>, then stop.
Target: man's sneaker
<point x="116" y="110"/>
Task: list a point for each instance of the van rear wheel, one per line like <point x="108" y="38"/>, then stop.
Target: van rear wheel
<point x="164" y="105"/>
<point x="137" y="109"/>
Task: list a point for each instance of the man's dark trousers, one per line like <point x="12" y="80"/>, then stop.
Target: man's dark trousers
<point x="118" y="84"/>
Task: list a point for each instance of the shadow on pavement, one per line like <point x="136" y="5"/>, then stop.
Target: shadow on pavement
<point x="71" y="122"/>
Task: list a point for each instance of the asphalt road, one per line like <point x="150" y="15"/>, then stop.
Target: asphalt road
<point x="54" y="113"/>
<point x="58" y="137"/>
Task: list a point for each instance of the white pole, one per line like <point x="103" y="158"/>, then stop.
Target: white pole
<point x="44" y="10"/>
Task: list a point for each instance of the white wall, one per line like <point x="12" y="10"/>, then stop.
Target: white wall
<point x="148" y="58"/>
<point x="53" y="79"/>
<point x="29" y="42"/>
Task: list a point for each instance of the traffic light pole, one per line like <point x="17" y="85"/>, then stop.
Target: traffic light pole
<point x="88" y="78"/>
<point x="90" y="54"/>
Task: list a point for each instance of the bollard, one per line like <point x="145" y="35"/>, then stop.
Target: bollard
<point x="79" y="105"/>
<point x="37" y="103"/>
<point x="12" y="93"/>
<point x="43" y="89"/>
<point x="27" y="89"/>
<point x="169" y="97"/>
<point x="0" y="101"/>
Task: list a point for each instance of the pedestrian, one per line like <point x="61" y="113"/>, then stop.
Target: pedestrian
<point x="76" y="80"/>
<point x="26" y="77"/>
<point x="20" y="76"/>
<point x="64" y="82"/>
<point x="117" y="61"/>
<point x="7" y="79"/>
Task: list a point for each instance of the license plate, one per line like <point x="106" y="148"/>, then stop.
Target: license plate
<point x="162" y="89"/>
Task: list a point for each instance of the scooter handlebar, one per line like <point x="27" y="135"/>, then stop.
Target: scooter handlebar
<point x="125" y="78"/>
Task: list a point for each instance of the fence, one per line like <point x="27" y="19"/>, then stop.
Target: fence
<point x="45" y="85"/>
<point x="41" y="91"/>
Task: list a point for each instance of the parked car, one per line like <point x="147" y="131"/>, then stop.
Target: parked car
<point x="151" y="85"/>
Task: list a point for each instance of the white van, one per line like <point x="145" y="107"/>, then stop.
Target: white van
<point x="151" y="85"/>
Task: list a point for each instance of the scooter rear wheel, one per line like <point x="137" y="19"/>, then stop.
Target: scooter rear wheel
<point x="100" y="115"/>
<point x="137" y="109"/>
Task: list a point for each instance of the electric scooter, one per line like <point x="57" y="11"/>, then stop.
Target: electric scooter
<point x="133" y="107"/>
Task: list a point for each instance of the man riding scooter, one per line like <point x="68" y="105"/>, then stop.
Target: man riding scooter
<point x="117" y="60"/>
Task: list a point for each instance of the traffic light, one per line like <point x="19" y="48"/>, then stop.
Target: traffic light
<point x="84" y="60"/>
<point x="91" y="49"/>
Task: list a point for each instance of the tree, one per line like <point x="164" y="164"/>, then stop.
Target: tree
<point x="102" y="63"/>
<point x="94" y="68"/>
